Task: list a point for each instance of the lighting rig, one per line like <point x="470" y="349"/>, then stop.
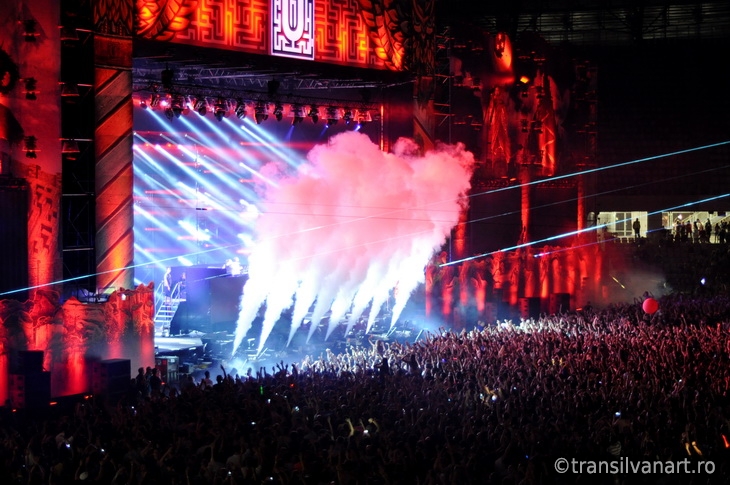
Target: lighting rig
<point x="179" y="99"/>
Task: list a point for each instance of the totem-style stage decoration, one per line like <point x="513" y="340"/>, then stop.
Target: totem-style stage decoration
<point x="74" y="335"/>
<point x="522" y="284"/>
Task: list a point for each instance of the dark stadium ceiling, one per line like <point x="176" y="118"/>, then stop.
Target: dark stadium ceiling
<point x="596" y="23"/>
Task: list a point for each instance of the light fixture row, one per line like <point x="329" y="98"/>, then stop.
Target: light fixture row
<point x="173" y="106"/>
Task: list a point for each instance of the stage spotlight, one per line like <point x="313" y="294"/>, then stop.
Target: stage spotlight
<point x="186" y="105"/>
<point x="314" y="113"/>
<point x="241" y="109"/>
<point x="260" y="113"/>
<point x="331" y="116"/>
<point x="68" y="34"/>
<point x="29" y="30"/>
<point x="70" y="147"/>
<point x="143" y="104"/>
<point x="297" y="113"/>
<point x="220" y="110"/>
<point x="30" y="88"/>
<point x="30" y="146"/>
<point x="69" y="90"/>
<point x="177" y="106"/>
<point x="363" y="117"/>
<point x="278" y="112"/>
<point x="200" y="106"/>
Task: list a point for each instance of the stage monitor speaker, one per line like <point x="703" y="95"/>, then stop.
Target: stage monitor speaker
<point x="111" y="378"/>
<point x="31" y="390"/>
<point x="530" y="307"/>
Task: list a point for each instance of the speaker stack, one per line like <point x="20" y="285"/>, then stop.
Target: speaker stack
<point x="559" y="303"/>
<point x="111" y="378"/>
<point x="30" y="386"/>
<point x="530" y="307"/>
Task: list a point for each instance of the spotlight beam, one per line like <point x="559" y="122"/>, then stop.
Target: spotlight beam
<point x="573" y="199"/>
<point x="608" y="167"/>
<point x="241" y="164"/>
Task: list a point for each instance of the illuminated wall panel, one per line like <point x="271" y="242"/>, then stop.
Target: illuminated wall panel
<point x="30" y="125"/>
<point x="350" y="32"/>
<point x="113" y="146"/>
<point x="233" y="24"/>
<point x="342" y="34"/>
<point x="292" y="28"/>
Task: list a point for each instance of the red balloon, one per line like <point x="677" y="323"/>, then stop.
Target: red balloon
<point x="650" y="305"/>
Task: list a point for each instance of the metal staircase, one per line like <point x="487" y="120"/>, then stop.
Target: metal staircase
<point x="165" y="310"/>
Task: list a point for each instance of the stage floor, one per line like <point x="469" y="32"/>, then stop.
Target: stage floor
<point x="175" y="344"/>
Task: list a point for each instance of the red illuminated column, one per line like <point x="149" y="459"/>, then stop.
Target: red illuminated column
<point x="581" y="206"/>
<point x="44" y="265"/>
<point x="458" y="236"/>
<point x="113" y="143"/>
<point x="465" y="270"/>
<point x="4" y="353"/>
<point x="480" y="285"/>
<point x="526" y="177"/>
<point x="30" y="125"/>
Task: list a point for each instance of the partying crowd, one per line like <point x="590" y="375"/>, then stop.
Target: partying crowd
<point x="495" y="405"/>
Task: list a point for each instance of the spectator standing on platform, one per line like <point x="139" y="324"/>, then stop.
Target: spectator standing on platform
<point x="698" y="227"/>
<point x="637" y="228"/>
<point x="167" y="285"/>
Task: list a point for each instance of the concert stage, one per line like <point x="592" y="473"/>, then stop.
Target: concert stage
<point x="202" y="331"/>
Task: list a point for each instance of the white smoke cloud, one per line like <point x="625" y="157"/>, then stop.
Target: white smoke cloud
<point x="350" y="226"/>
